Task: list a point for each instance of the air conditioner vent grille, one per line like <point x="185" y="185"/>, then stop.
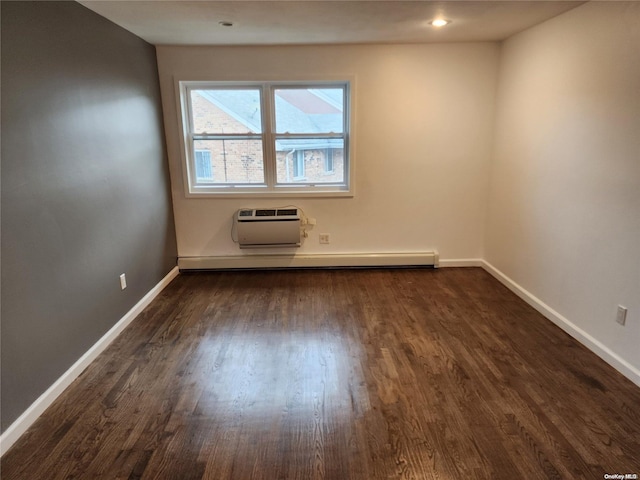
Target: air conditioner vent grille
<point x="266" y="213"/>
<point x="289" y="212"/>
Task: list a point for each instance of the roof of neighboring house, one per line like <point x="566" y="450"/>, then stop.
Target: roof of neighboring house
<point x="297" y="111"/>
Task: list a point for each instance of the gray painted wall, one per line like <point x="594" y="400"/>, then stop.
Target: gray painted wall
<point x="85" y="188"/>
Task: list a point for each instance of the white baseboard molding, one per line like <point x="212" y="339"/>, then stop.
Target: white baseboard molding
<point x="597" y="347"/>
<point x="329" y="260"/>
<point x="37" y="408"/>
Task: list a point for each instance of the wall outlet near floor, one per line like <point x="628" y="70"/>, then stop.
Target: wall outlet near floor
<point x="621" y="316"/>
<point x="123" y="281"/>
<point x="324" y="238"/>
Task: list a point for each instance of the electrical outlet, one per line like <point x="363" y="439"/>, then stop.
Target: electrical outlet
<point x="621" y="316"/>
<point x="324" y="238"/>
<point x="123" y="281"/>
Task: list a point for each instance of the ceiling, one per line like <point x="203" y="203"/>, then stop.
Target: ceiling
<point x="266" y="22"/>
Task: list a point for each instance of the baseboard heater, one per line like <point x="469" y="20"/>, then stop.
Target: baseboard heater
<point x="269" y="227"/>
<point x="336" y="260"/>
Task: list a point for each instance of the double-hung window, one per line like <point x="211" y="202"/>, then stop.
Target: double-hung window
<point x="266" y="138"/>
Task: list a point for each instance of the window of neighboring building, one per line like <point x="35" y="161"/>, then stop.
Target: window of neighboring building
<point x="203" y="166"/>
<point x="328" y="161"/>
<point x="298" y="165"/>
<point x="266" y="138"/>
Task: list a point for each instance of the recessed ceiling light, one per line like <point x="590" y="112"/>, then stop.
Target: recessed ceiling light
<point x="226" y="24"/>
<point x="439" y="22"/>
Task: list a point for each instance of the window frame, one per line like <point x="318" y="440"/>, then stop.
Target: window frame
<point x="268" y="136"/>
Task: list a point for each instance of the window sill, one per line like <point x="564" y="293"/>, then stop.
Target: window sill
<point x="261" y="192"/>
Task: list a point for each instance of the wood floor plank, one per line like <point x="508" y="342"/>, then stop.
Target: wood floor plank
<point x="338" y="374"/>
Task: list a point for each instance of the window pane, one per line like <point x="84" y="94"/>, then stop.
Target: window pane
<point x="309" y="110"/>
<point x="231" y="161"/>
<point x="306" y="160"/>
<point x="226" y="111"/>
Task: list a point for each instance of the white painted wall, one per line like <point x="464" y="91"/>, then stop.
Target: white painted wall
<point x="425" y="110"/>
<point x="564" y="204"/>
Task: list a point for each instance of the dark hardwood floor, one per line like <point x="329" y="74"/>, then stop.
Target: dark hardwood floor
<point x="354" y="374"/>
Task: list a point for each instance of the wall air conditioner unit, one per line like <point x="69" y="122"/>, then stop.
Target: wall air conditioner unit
<point x="268" y="227"/>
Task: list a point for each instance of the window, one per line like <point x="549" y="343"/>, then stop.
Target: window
<point x="266" y="138"/>
<point x="203" y="166"/>
<point x="328" y="161"/>
<point x="298" y="165"/>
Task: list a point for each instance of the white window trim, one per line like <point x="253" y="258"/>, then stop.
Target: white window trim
<point x="270" y="189"/>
